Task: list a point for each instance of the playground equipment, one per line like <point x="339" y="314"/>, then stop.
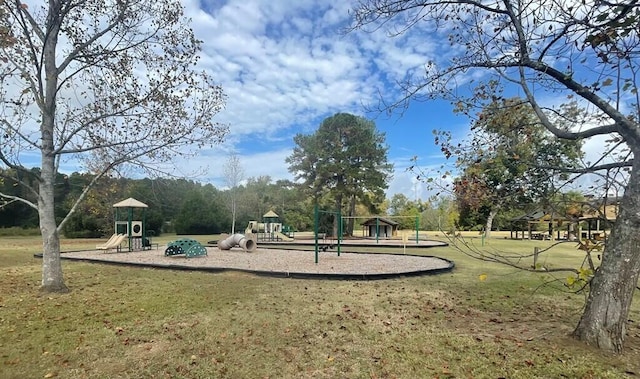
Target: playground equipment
<point x="263" y="227"/>
<point x="316" y="223"/>
<point x="109" y="242"/>
<point x="187" y="246"/>
<point x="134" y="230"/>
<point x="115" y="242"/>
<point x="247" y="244"/>
<point x="269" y="230"/>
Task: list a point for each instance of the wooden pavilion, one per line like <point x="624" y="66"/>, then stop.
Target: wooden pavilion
<point x="554" y="222"/>
<point x="380" y="227"/>
<point x="597" y="215"/>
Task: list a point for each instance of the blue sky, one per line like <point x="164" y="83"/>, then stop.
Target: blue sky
<point x="285" y="66"/>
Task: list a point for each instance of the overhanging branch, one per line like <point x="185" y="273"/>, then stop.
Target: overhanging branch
<point x="18" y="198"/>
<point x="589" y="170"/>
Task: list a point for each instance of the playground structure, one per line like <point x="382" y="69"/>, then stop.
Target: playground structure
<point x="316" y="223"/>
<point x="374" y="226"/>
<point x="216" y="259"/>
<point x="115" y="242"/>
<point x="187" y="246"/>
<point x="271" y="229"/>
<point x="262" y="227"/>
<point x="247" y="244"/>
<point x="129" y="227"/>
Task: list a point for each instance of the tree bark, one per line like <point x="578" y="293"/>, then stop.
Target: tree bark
<point x="489" y="224"/>
<point x="604" y="320"/>
<point x="52" y="278"/>
<point x="335" y="215"/>
<point x="352" y="213"/>
<point x="233" y="212"/>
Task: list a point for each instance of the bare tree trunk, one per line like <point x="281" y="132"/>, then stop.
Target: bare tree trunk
<point x="233" y="214"/>
<point x="604" y="320"/>
<point x="335" y="216"/>
<point x="52" y="278"/>
<point x="352" y="213"/>
<point x="487" y="227"/>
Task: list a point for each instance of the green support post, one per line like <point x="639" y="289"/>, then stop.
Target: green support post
<point x="315" y="228"/>
<point x="339" y="230"/>
<point x="417" y="230"/>
<point x="129" y="221"/>
<point x="377" y="229"/>
<point x="144" y="228"/>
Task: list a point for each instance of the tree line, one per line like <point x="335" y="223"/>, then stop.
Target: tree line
<point x="175" y="205"/>
<point x="189" y="207"/>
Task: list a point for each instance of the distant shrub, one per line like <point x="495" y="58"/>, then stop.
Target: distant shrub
<point x="83" y="234"/>
<point x="16" y="231"/>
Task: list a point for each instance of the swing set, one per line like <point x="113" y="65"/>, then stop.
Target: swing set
<point x="316" y="223"/>
<point x="338" y="215"/>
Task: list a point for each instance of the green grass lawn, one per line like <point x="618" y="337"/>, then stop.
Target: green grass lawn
<point x="121" y="322"/>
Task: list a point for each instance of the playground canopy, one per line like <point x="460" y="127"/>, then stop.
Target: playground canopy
<point x="270" y="214"/>
<point x="130" y="203"/>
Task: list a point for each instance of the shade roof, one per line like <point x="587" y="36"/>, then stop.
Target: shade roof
<point x="270" y="214"/>
<point x="130" y="203"/>
<point x="372" y="221"/>
<point x="539" y="215"/>
<point x="602" y="212"/>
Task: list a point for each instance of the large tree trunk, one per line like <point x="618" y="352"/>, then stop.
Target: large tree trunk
<point x="487" y="227"/>
<point x="52" y="278"/>
<point x="352" y="213"/>
<point x="603" y="322"/>
<point x="335" y="215"/>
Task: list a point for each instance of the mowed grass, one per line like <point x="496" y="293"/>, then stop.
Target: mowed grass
<point x="121" y="322"/>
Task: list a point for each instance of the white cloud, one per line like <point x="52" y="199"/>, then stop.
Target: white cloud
<point x="286" y="64"/>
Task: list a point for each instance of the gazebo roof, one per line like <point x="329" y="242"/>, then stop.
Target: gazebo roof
<point x="130" y="203"/>
<point x="381" y="220"/>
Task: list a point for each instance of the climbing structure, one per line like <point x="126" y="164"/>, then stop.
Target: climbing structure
<point x="187" y="246"/>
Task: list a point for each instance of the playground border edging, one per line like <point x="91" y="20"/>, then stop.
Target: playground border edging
<point x="276" y="274"/>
